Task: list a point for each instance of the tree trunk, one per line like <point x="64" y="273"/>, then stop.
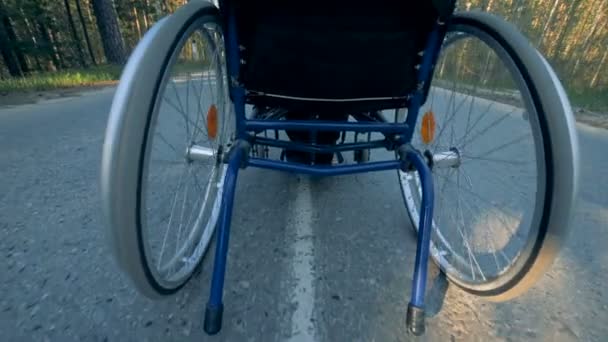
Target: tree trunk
<point x="74" y="34"/>
<point x="136" y="22"/>
<point x="489" y="5"/>
<point x="54" y="37"/>
<point x="567" y="25"/>
<point x="32" y="35"/>
<point x="597" y="71"/>
<point x="146" y="15"/>
<point x="7" y="53"/>
<point x="547" y="23"/>
<point x="86" y="32"/>
<point x="48" y="45"/>
<point x="587" y="40"/>
<point x="111" y="38"/>
<point x="525" y="16"/>
<point x="14" y="44"/>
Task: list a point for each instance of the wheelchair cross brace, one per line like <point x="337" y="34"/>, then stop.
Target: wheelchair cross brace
<point x="408" y="159"/>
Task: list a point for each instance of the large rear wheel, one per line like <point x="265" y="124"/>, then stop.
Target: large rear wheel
<point x="163" y="169"/>
<point x="501" y="132"/>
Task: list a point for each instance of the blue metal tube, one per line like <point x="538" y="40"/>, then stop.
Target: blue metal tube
<point x="316" y="170"/>
<point x="233" y="61"/>
<point x="425" y="226"/>
<point x="239" y="109"/>
<point x="303" y="125"/>
<point x="223" y="235"/>
<point x="320" y="148"/>
<point x="424" y="73"/>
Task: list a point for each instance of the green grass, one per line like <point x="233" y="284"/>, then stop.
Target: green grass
<point x="97" y="75"/>
<point x="594" y="100"/>
<point x="591" y="99"/>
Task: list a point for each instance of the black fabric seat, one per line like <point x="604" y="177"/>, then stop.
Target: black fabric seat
<point x="346" y="55"/>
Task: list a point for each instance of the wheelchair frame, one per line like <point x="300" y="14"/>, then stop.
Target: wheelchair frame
<point x="397" y="138"/>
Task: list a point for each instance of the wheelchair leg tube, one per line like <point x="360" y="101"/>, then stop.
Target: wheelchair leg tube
<point x="415" y="310"/>
<point x="215" y="307"/>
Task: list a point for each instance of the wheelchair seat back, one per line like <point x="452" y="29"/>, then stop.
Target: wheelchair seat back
<point x="339" y="53"/>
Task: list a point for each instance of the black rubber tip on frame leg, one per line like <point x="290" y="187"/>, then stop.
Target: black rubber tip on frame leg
<point x="415" y="320"/>
<point x="213" y="319"/>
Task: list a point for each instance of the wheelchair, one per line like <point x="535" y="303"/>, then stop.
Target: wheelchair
<point x="470" y="116"/>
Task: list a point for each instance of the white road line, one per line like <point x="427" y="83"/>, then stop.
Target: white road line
<point x="303" y="293"/>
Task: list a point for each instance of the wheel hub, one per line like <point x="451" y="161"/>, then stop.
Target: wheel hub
<point x="446" y="159"/>
<point x="199" y="153"/>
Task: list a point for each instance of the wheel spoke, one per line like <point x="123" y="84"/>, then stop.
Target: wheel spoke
<point x="481" y="198"/>
<point x="466" y="205"/>
<point x="205" y="80"/>
<point x="494" y="123"/>
<point x="183" y="212"/>
<point x="493" y="160"/>
<point x="516" y="140"/>
<point x="188" y="108"/>
<point x="194" y="213"/>
<point x="182" y="195"/>
<point x="181" y="111"/>
<point x="467" y="178"/>
<point x="163" y="139"/>
<point x="464" y="236"/>
<point x="165" y="161"/>
<point x="454" y="112"/>
<point x="199" y="111"/>
<point x="199" y="115"/>
<point x="182" y="114"/>
<point x="517" y="188"/>
<point x="162" y="249"/>
<point x="471" y="106"/>
<point x="500" y="168"/>
<point x="487" y="203"/>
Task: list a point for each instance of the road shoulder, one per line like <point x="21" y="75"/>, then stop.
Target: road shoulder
<point x="8" y="100"/>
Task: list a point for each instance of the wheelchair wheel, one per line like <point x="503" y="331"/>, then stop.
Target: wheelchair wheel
<point x="505" y="159"/>
<point x="162" y="168"/>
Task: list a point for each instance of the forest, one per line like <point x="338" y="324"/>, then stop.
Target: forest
<point x="93" y="38"/>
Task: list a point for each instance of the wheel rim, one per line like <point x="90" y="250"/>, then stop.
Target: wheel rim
<point x="490" y="202"/>
<point x="182" y="175"/>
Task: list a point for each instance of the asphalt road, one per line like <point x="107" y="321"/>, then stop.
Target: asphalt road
<point x="59" y="282"/>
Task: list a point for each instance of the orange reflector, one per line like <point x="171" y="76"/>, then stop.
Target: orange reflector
<point x="427" y="131"/>
<point x="212" y="122"/>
